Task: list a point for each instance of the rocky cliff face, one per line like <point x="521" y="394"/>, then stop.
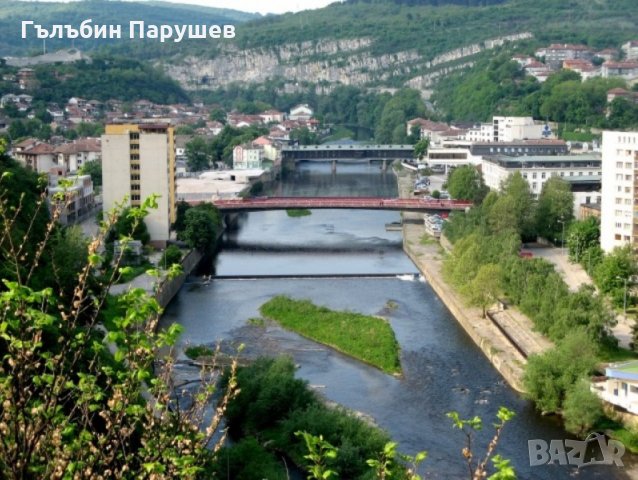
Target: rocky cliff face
<point x="349" y="62"/>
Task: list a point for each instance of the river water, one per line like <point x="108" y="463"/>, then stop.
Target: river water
<point x="443" y="369"/>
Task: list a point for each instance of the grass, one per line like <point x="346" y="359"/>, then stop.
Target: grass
<point x="427" y="240"/>
<point x="615" y="354"/>
<point x="298" y="212"/>
<point x="366" y="338"/>
<point x="618" y="432"/>
<point x="196" y="351"/>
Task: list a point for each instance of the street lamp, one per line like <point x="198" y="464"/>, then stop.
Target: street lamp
<point x="624" y="303"/>
<point x="562" y="240"/>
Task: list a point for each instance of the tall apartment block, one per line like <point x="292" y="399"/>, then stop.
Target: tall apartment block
<point x="139" y="160"/>
<point x="619" y="206"/>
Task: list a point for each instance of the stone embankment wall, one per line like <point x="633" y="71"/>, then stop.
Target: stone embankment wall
<point x="169" y="287"/>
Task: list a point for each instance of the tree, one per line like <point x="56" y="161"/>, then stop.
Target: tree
<point x="171" y="255"/>
<point x="555" y="209"/>
<point x="125" y="225"/>
<point x="548" y="376"/>
<point x="82" y="398"/>
<point x="421" y="148"/>
<point x="581" y="236"/>
<point x="516" y="202"/>
<point x="197" y="154"/>
<point x="93" y="168"/>
<point x="304" y="136"/>
<point x="614" y="271"/>
<point x="486" y="287"/>
<point x="201" y="225"/>
<point x="466" y="183"/>
<point x="582" y="408"/>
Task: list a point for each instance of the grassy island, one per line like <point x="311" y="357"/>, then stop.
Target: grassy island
<point x="298" y="212"/>
<point x="366" y="338"/>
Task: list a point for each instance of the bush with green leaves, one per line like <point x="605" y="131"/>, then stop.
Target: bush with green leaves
<point x="80" y="398"/>
<point x="172" y="255"/>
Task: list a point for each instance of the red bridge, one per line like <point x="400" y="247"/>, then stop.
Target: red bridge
<point x="361" y="203"/>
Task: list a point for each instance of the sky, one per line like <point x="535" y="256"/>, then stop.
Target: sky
<point x="259" y="6"/>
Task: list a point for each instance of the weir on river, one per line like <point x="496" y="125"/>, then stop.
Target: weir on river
<point x="443" y="369"/>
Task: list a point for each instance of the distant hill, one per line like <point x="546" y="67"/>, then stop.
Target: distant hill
<point x="102" y="12"/>
<point x="393" y="43"/>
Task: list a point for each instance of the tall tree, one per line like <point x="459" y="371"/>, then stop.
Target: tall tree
<point x="197" y="154"/>
<point x="555" y="209"/>
<point x="466" y="183"/>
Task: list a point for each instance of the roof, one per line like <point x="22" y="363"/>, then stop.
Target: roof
<point x="39" y="149"/>
<point x="623" y="371"/>
<point x="620" y="64"/>
<point x="81" y="145"/>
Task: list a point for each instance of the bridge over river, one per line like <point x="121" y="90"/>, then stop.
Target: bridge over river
<point x="350" y="203"/>
<point x="347" y="153"/>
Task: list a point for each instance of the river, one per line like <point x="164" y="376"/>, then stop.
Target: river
<point x="443" y="369"/>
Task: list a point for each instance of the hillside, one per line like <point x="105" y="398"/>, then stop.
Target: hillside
<point x="388" y="43"/>
<point x="102" y="12"/>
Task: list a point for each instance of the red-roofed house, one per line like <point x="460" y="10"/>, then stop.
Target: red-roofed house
<point x="39" y="157"/>
<point x="627" y="70"/>
<point x="74" y="155"/>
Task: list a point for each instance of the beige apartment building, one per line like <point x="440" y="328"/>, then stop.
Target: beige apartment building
<point x="138" y="160"/>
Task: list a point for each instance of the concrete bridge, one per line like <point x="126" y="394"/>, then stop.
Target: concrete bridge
<point x="354" y="203"/>
<point x="348" y="152"/>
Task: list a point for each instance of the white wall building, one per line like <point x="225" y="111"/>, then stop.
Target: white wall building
<point x="483" y="132"/>
<point x="620" y="386"/>
<point x="620" y="160"/>
<point x="510" y="129"/>
<point x="583" y="172"/>
<point x="138" y="160"/>
<point x="246" y="157"/>
<point x="631" y="50"/>
<point x="301" y="112"/>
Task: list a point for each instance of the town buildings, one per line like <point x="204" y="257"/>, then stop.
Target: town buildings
<point x="75" y="198"/>
<point x="138" y="160"/>
<point x="247" y="157"/>
<point x="618" y="226"/>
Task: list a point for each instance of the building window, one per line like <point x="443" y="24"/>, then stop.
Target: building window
<point x="135" y="156"/>
<point x="618" y="225"/>
<point x="534" y="175"/>
<point x="134" y="136"/>
<point x="135" y="197"/>
<point x="543" y="175"/>
<point x="627" y="238"/>
<point x="627" y="201"/>
<point x="618" y="201"/>
<point x="534" y="185"/>
<point x="618" y="164"/>
<point x="562" y="174"/>
<point x="571" y="174"/>
<point x="617" y="237"/>
<point x="135" y="187"/>
<point x="628" y="178"/>
<point x="525" y="175"/>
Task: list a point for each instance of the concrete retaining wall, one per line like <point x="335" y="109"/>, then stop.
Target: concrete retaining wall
<point x="169" y="287"/>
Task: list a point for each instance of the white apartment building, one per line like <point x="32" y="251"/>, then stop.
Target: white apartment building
<point x="507" y="129"/>
<point x="620" y="165"/>
<point x="583" y="172"/>
<point x="138" y="160"/>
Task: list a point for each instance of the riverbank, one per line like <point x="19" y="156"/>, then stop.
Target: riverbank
<point x="428" y="258"/>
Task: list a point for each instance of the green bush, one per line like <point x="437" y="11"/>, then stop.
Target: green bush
<point x="171" y="255"/>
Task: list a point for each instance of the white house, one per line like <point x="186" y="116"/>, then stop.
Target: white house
<point x="301" y="112"/>
<point x="631" y="50"/>
<point x="619" y="387"/>
<point x="247" y="157"/>
<point x="74" y="155"/>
